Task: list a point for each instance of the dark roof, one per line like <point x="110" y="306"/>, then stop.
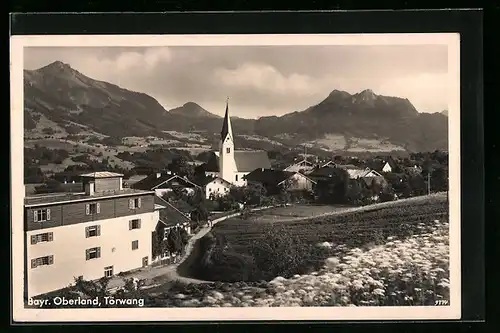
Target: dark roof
<point x="180" y="204"/>
<point x="170" y="215"/>
<point x="246" y="161"/>
<point x="268" y="176"/>
<point x="56" y="198"/>
<point x="226" y="126"/>
<point x="153" y="181"/>
<point x="61" y="188"/>
<point x="325" y="172"/>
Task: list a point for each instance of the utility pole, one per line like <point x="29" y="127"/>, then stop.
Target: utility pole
<point x="428" y="183"/>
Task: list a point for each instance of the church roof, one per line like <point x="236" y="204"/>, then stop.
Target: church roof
<point x="246" y="161"/>
<point x="226" y="125"/>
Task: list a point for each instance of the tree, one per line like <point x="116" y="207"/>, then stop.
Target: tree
<point x="251" y="194"/>
<point x="174" y="241"/>
<point x="439" y="179"/>
<point x="417" y="184"/>
<point x="181" y="167"/>
<point x="199" y="216"/>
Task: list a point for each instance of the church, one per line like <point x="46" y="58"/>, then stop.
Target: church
<point x="233" y="165"/>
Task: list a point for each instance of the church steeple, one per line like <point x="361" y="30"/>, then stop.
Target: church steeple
<point x="227" y="164"/>
<point x="226" y="124"/>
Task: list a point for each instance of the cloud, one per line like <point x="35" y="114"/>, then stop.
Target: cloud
<point x="264" y="77"/>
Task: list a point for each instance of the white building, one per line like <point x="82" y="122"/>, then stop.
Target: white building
<point x="232" y="165"/>
<point x="217" y="187"/>
<point x="100" y="232"/>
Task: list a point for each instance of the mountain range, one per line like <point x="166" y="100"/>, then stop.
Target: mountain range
<point x="64" y="96"/>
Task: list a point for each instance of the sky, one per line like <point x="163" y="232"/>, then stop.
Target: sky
<point x="262" y="80"/>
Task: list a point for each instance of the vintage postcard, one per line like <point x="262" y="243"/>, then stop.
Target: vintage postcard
<point x="280" y="177"/>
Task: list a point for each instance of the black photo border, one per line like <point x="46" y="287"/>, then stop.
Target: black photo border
<point x="468" y="23"/>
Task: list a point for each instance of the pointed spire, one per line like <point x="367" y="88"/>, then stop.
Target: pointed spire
<point x="226" y="125"/>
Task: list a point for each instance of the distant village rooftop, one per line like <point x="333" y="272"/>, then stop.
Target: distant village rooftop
<point x="58" y="198"/>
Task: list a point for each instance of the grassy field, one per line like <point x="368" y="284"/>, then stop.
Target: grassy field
<point x="348" y="227"/>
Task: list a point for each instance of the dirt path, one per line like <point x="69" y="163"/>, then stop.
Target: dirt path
<point x="169" y="273"/>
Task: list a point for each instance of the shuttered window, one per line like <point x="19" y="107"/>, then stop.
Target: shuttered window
<point x="93" y="253"/>
<point x="42" y="261"/>
<point x="134" y="203"/>
<point x="134" y="224"/>
<point x="41" y="215"/>
<point x="93" y="231"/>
<point x="92" y="208"/>
<point x="45" y="237"/>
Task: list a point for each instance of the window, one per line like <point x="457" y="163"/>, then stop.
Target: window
<point x="92" y="208"/>
<point x="45" y="237"/>
<point x="134" y="224"/>
<point x="93" y="231"/>
<point x="42" y="261"/>
<point x="93" y="253"/>
<point x="134" y="203"/>
<point x="166" y="231"/>
<point x="41" y="215"/>
<point x="228" y="150"/>
<point x="108" y="271"/>
<point x="135" y="245"/>
<point x="236" y="177"/>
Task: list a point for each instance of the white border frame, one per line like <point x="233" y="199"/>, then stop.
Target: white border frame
<point x="21" y="314"/>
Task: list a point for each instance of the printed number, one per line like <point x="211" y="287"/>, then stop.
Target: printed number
<point x="442" y="302"/>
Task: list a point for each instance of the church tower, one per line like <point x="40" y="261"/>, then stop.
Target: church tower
<point x="227" y="164"/>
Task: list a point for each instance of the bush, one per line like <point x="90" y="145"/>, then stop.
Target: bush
<point x="280" y="253"/>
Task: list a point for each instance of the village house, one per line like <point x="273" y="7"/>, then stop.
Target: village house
<point x="230" y="165"/>
<point x="170" y="218"/>
<point x="101" y="231"/>
<point x="357" y="172"/>
<point x="215" y="187"/>
<point x="303" y="166"/>
<point x="273" y="180"/>
<point x="166" y="182"/>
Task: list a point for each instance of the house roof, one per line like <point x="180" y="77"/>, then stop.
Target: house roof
<point x="153" y="181"/>
<point x="325" y="172"/>
<point x="246" y="161"/>
<point x="329" y="163"/>
<point x="169" y="214"/>
<point x="211" y="180"/>
<point x="268" y="176"/>
<point x="303" y="164"/>
<point x="101" y="174"/>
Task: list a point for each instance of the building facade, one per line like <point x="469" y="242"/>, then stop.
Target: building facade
<point x="101" y="232"/>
